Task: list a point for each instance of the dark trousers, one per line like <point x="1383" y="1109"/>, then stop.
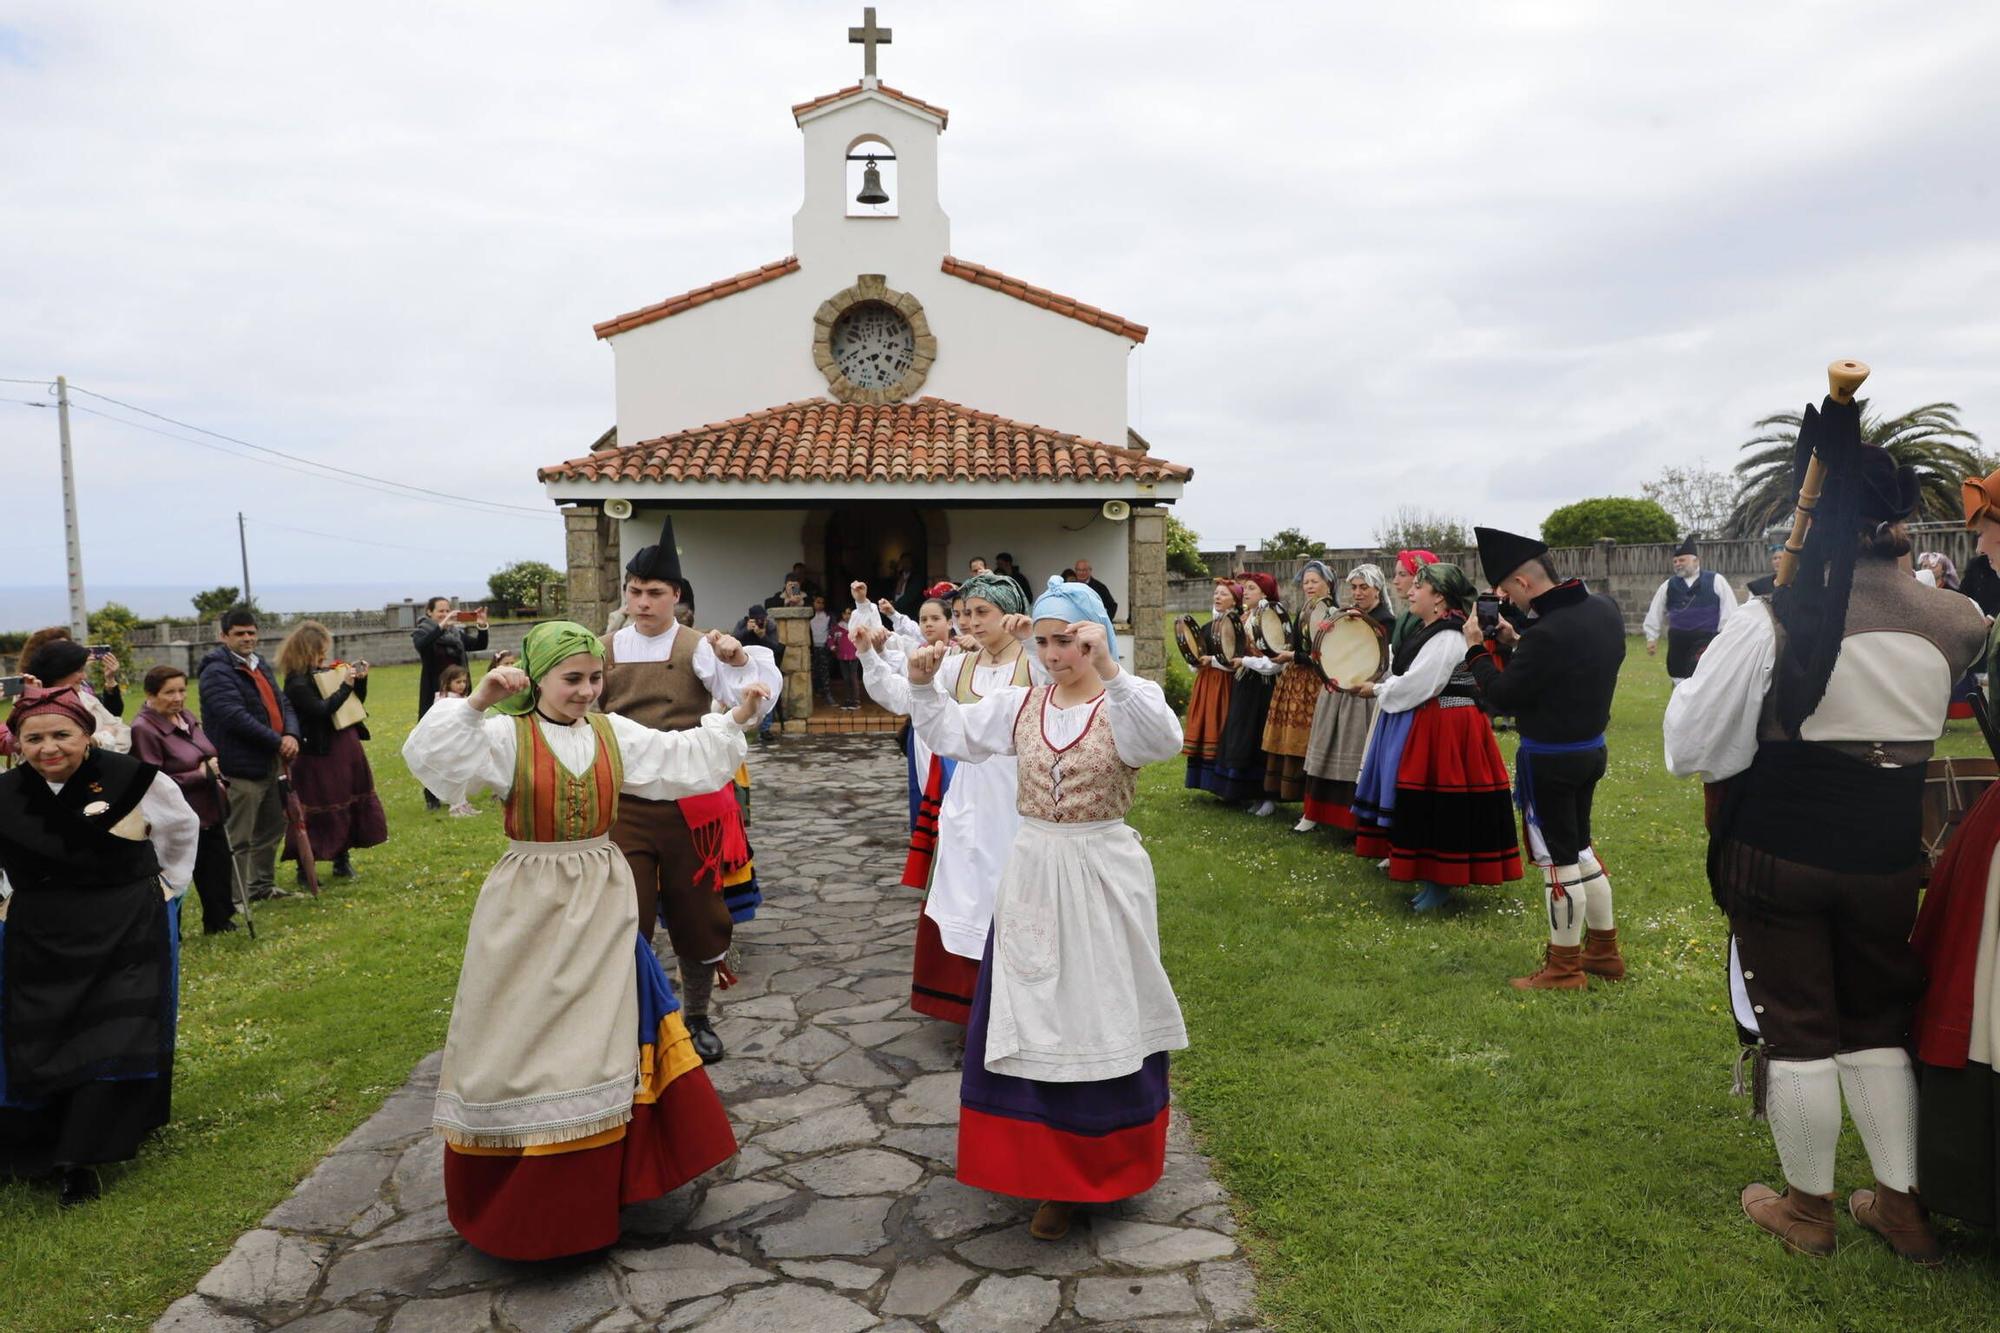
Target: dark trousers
<point x="1565" y="787"/>
<point x="1825" y="954"/>
<point x="212" y="877"/>
<point x="1684" y="650"/>
<point x="823" y="672"/>
<point x="850" y="676"/>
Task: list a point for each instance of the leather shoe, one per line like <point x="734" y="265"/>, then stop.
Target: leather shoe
<point x="1899" y="1217"/>
<point x="342" y="867"/>
<point x="79" y="1185"/>
<point x="1803" y="1221"/>
<point x="707" y="1044"/>
<point x="1051" y="1220"/>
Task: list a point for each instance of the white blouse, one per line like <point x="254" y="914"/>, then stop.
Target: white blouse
<point x="457" y="750"/>
<point x="1144" y="729"/>
<point x="885" y="675"/>
<point x="723" y="682"/>
<point x="172" y="827"/>
<point x="1427" y="676"/>
<point x="1712" y="716"/>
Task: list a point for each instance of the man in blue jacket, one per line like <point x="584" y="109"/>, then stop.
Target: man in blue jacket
<point x="255" y="732"/>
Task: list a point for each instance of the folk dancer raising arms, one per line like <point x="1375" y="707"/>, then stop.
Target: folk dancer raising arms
<point x="1238" y="774"/>
<point x="1208" y="702"/>
<point x="1288" y="726"/>
<point x="690" y="857"/>
<point x="1819" y="709"/>
<point x="887" y="651"/>
<point x="1957" y="1027"/>
<point x="975" y="820"/>
<point x="553" y="1115"/>
<point x="1342" y="720"/>
<point x="1558" y="682"/>
<point x="1432" y="796"/>
<point x="1064" y="1093"/>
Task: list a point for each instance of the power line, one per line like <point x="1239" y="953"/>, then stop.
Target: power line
<point x="279" y="453"/>
<point x="357" y="541"/>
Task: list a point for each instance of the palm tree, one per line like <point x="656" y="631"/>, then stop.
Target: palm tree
<point x="1928" y="438"/>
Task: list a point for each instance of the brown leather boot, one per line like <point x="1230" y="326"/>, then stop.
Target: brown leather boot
<point x="1805" y="1222"/>
<point x="1561" y="970"/>
<point x="1051" y="1220"/>
<point x="1600" y="954"/>
<point x="1899" y="1218"/>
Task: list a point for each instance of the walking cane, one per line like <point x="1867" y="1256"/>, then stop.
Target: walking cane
<point x="237" y="891"/>
<point x="1842" y="378"/>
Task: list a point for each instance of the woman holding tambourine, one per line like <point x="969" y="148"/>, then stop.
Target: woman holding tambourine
<point x="1343" y="717"/>
<point x="1288" y="728"/>
<point x="1434" y="796"/>
<point x="1238" y="774"/>
<point x="1214" y="646"/>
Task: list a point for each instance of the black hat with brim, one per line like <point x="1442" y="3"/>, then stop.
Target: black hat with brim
<point x="1501" y="553"/>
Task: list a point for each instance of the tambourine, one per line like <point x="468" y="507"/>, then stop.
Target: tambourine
<point x="1223" y="638"/>
<point x="1187" y="637"/>
<point x="1271" y="629"/>
<point x="1317" y="612"/>
<point x="1350" y="650"/>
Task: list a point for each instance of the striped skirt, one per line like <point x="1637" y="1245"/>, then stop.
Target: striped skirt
<point x="1207" y="713"/>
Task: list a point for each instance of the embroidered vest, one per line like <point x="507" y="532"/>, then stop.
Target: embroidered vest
<point x="1697" y="607"/>
<point x="666" y="696"/>
<point x="1080" y="782"/>
<point x="549" y="803"/>
<point x="968" y="669"/>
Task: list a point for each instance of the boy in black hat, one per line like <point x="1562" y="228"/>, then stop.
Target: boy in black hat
<point x="1692" y="605"/>
<point x="680" y="851"/>
<point x="1557" y="684"/>
<point x="1818" y="708"/>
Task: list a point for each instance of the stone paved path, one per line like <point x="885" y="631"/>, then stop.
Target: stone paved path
<point x="839" y="1214"/>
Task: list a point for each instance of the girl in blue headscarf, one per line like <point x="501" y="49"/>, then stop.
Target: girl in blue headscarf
<point x="1064" y="1092"/>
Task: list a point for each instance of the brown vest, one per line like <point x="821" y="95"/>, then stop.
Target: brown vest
<point x="666" y="696"/>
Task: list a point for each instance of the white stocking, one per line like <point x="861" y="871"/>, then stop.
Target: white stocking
<point x="1597" y="891"/>
<point x="1882" y="1097"/>
<point x="1566" y="914"/>
<point x="1802" y="1099"/>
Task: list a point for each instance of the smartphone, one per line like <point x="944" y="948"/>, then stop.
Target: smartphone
<point x="98" y="650"/>
<point x="466" y="617"/>
<point x="1487" y="606"/>
<point x="11" y="687"/>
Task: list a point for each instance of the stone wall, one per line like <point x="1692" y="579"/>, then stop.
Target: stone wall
<point x="381" y="647"/>
<point x="1148" y="565"/>
<point x="794" y="626"/>
<point x="591" y="542"/>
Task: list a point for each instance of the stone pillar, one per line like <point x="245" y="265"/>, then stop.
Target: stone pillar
<point x="591" y="543"/>
<point x="1148" y="611"/>
<point x="794" y="626"/>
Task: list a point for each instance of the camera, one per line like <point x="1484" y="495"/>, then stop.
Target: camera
<point x="98" y="650"/>
<point x="12" y="687"/>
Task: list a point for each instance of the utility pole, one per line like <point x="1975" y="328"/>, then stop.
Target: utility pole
<point x="243" y="549"/>
<point x="79" y="611"/>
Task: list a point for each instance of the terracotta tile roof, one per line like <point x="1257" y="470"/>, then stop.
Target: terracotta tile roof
<point x="818" y="439"/>
<point x="882" y="88"/>
<point x="715" y="291"/>
<point x="1043" y="297"/>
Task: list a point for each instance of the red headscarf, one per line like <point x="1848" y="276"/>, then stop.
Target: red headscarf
<point x="940" y="591"/>
<point x="1235" y="589"/>
<point x="1265" y="582"/>
<point x="1413" y="560"/>
<point x="67" y="701"/>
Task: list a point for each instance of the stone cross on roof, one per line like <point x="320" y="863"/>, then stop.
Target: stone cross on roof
<point x="869" y="37"/>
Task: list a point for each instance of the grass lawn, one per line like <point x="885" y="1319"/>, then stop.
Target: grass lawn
<point x="1415" y="1145"/>
<point x="286" y="1044"/>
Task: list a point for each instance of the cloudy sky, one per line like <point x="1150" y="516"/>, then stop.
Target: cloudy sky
<point x="1483" y="259"/>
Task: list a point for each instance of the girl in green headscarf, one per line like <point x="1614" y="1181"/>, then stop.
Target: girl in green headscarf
<point x="1434" y="801"/>
<point x="553" y="1118"/>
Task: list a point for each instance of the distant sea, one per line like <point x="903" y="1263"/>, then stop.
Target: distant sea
<point x="33" y="607"/>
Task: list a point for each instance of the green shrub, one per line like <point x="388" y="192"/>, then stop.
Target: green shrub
<point x="1624" y="520"/>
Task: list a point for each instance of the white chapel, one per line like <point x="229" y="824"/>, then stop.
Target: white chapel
<point x="870" y="395"/>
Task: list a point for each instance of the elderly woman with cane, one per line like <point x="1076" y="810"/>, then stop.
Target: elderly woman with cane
<point x="98" y="848"/>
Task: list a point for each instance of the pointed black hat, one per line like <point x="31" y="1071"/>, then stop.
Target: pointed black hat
<point x="1501" y="553"/>
<point x="661" y="561"/>
<point x="1687" y="547"/>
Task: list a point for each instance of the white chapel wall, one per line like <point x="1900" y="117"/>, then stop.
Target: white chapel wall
<point x="1042" y="543"/>
<point x="733" y="557"/>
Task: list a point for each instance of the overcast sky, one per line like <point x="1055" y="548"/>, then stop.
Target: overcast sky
<point x="1406" y="254"/>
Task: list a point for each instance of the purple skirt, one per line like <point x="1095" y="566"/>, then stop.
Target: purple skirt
<point x="337" y="791"/>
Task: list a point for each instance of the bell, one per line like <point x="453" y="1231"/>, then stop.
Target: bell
<point x="871" y="186"/>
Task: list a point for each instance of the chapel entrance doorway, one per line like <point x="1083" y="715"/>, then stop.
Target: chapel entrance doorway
<point x="866" y="541"/>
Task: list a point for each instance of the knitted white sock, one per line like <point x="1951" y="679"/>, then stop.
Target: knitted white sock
<point x="1567" y="913"/>
<point x="1802" y="1099"/>
<point x="1597" y="891"/>
<point x="1882" y="1097"/>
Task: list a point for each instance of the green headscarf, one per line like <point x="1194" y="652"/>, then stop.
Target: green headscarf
<point x="998" y="589"/>
<point x="547" y="644"/>
<point x="1452" y="584"/>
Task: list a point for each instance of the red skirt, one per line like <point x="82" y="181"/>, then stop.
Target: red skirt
<point x="941" y="983"/>
<point x="337" y="792"/>
<point x="1454" y="816"/>
<point x="1330" y="801"/>
<point x="924" y="833"/>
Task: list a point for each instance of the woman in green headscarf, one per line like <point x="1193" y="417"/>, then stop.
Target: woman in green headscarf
<point x="1434" y="797"/>
<point x="553" y="1117"/>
